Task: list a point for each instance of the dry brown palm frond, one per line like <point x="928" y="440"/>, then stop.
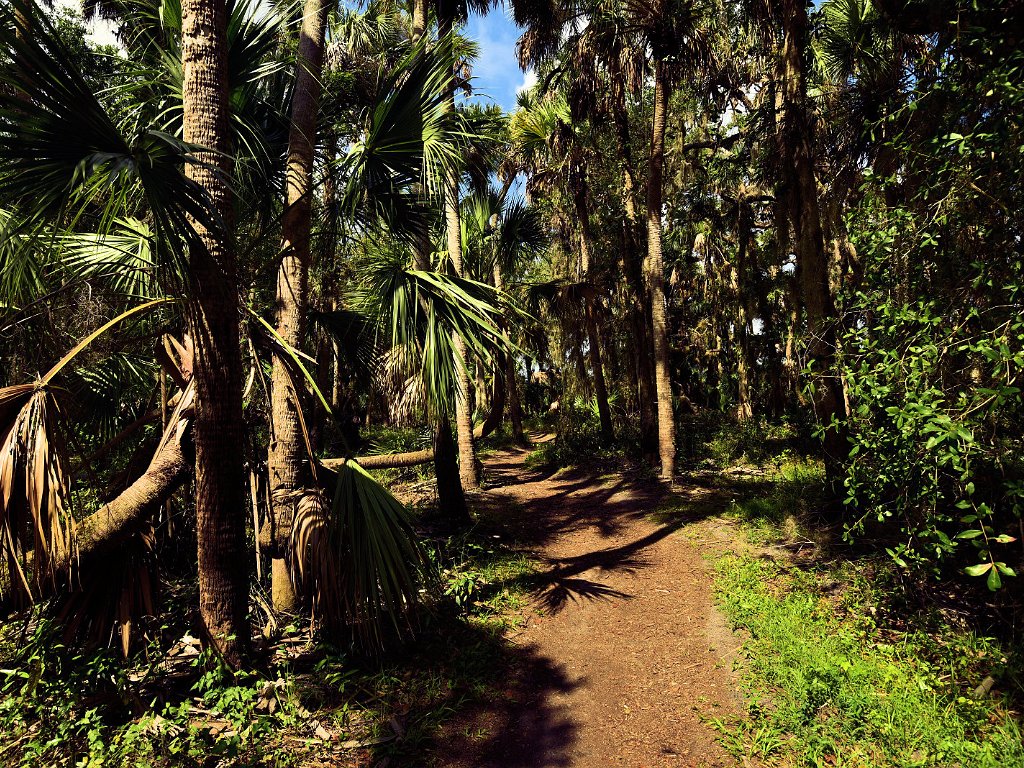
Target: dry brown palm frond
<point x="410" y="402"/>
<point x="35" y="505"/>
<point x="115" y="600"/>
<point x="400" y="384"/>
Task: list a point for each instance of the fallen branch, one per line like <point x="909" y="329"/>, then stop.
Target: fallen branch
<point x="387" y="460"/>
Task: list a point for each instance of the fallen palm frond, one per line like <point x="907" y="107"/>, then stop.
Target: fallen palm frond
<point x="357" y="558"/>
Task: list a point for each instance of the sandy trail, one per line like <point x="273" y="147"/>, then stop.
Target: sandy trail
<point x="622" y="653"/>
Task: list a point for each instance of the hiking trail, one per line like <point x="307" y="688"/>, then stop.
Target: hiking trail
<point x="625" y="655"/>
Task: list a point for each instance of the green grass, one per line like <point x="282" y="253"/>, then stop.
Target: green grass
<point x="829" y="679"/>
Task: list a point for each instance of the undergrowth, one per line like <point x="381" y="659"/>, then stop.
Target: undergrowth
<point x="837" y="671"/>
<point x="306" y="704"/>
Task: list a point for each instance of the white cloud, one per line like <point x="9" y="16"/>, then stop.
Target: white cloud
<point x="529" y="80"/>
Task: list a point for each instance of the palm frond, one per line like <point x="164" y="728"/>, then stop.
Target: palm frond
<point x="358" y="558"/>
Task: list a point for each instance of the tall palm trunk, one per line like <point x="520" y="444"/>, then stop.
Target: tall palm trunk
<point x="419" y="20"/>
<point x="800" y="191"/>
<point x="593" y="340"/>
<point x="221" y="510"/>
<point x="453" y="227"/>
<point x="451" y="498"/>
<point x="655" y="271"/>
<point x="286" y="461"/>
<point x="737" y="278"/>
<point x="515" y="406"/>
<point x="496" y="414"/>
<point x="643" y="350"/>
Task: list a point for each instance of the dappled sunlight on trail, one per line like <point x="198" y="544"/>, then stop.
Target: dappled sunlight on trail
<point x="627" y="657"/>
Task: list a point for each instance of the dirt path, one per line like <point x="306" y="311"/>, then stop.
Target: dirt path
<point x="622" y="653"/>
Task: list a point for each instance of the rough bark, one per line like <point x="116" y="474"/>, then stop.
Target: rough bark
<point x="419" y="20"/>
<point x="286" y="459"/>
<point x="453" y="230"/>
<point x="213" y="317"/>
<point x="640" y="315"/>
<point x="800" y="191"/>
<point x="655" y="273"/>
<point x="451" y="498"/>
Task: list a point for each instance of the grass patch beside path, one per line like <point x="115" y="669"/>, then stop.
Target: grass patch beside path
<point x="831" y="679"/>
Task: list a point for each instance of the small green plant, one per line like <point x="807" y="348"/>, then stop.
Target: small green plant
<point x="826" y="685"/>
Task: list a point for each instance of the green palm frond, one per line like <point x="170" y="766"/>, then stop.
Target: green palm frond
<point x="358" y="558"/>
<point x="411" y="139"/>
<point x="63" y="155"/>
<point x="522" y="234"/>
<point x="424" y="311"/>
<point x="125" y="258"/>
<point x="355" y="335"/>
<point x="107" y="393"/>
<point x="24" y="255"/>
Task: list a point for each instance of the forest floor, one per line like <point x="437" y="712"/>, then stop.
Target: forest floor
<point x="622" y="654"/>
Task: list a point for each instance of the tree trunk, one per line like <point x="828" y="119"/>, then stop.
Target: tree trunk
<point x="221" y="510"/>
<point x="655" y="270"/>
<point x="593" y="340"/>
<point x="419" y="20"/>
<point x="800" y="191"/>
<point x="515" y="407"/>
<point x="451" y="499"/>
<point x="737" y="278"/>
<point x="498" y="381"/>
<point x="453" y="227"/>
<point x="643" y="350"/>
<point x="287" y="460"/>
<point x="386" y="460"/>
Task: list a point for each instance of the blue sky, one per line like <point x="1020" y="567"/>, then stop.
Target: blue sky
<point x="496" y="74"/>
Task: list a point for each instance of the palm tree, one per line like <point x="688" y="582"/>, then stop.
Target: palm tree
<point x="502" y="234"/>
<point x="554" y="152"/>
<point x="676" y="33"/>
<point x="597" y="68"/>
<point x="220" y="499"/>
<point x="449" y="13"/>
<point x="798" y="193"/>
<point x="286" y="457"/>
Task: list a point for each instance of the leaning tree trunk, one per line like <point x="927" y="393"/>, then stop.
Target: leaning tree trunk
<point x="643" y="350"/>
<point x="286" y="460"/>
<point x="800" y="191"/>
<point x="221" y="510"/>
<point x="453" y="228"/>
<point x="655" y="269"/>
